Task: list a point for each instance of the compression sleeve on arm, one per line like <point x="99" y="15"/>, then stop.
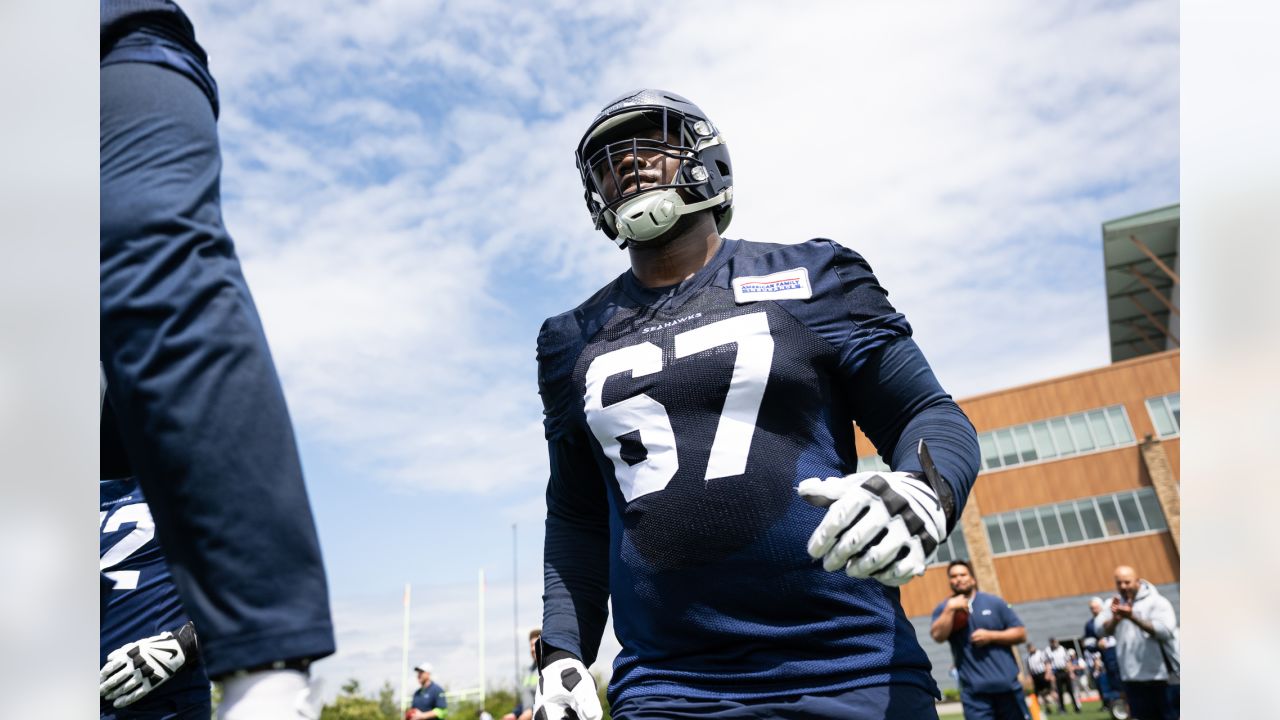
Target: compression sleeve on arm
<point x="576" y="553"/>
<point x="897" y="401"/>
<point x="576" y="549"/>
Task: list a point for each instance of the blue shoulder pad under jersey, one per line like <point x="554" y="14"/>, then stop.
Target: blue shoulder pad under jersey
<point x="140" y="598"/>
<point x="895" y="398"/>
<point x="828" y="287"/>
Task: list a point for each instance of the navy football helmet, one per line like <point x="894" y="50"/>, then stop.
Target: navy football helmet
<point x="625" y="202"/>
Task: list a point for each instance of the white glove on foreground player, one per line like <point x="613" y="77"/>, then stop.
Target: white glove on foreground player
<point x="881" y="525"/>
<point x="566" y="689"/>
<point x="137" y="668"/>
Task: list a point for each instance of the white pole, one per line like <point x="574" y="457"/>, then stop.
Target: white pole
<point x="482" y="684"/>
<point x="515" y="606"/>
<point x="404" y="658"/>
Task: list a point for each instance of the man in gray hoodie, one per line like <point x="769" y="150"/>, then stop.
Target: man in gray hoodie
<point x="1145" y="628"/>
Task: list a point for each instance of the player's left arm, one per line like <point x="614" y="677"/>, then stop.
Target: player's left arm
<point x="887" y="526"/>
<point x="897" y="402"/>
<point x="135" y="669"/>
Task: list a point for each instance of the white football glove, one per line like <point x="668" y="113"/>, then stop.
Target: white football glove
<point x="881" y="525"/>
<point x="137" y="668"/>
<point x="566" y="689"/>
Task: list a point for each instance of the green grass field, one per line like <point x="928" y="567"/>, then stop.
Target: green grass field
<point x="1092" y="711"/>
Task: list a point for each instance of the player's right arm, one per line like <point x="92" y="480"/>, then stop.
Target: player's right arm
<point x="576" y="549"/>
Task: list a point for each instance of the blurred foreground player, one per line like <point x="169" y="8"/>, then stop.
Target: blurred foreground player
<point x="981" y="629"/>
<point x="201" y="411"/>
<point x="150" y="658"/>
<point x="692" y="408"/>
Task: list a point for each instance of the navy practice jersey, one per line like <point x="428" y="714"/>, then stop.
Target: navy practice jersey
<point x="141" y="600"/>
<point x="679" y="422"/>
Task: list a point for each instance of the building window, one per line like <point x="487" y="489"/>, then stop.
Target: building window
<point x="1059" y="437"/>
<point x="995" y="535"/>
<point x="953" y="548"/>
<point x="1166" y="414"/>
<point x="1087" y="519"/>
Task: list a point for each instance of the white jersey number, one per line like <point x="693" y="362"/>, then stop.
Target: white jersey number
<point x="143" y="530"/>
<point x="642" y="413"/>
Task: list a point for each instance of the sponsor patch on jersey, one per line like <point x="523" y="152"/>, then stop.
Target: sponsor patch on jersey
<point x="785" y="285"/>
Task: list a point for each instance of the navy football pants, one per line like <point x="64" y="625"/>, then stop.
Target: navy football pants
<point x="200" y="407"/>
<point x="1010" y="705"/>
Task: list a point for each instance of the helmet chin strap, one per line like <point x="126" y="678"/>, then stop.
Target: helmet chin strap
<point x="650" y="214"/>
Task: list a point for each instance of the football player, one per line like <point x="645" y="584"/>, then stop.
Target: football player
<point x="698" y="413"/>
<point x="148" y="651"/>
<point x="191" y="377"/>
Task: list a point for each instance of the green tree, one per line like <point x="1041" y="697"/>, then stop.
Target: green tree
<point x="387" y="700"/>
<point x="351" y="705"/>
<point x="497" y="702"/>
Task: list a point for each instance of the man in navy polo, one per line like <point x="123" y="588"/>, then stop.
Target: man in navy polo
<point x="981" y="629"/>
<point x="429" y="702"/>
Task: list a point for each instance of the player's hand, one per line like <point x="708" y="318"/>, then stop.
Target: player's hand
<point x="566" y="689"/>
<point x="980" y="637"/>
<point x="137" y="668"/>
<point x="957" y="602"/>
<point x="881" y="525"/>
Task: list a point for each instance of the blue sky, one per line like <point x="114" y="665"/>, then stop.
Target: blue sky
<point x="399" y="179"/>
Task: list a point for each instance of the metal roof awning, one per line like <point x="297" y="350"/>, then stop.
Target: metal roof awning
<point x="1140" y="257"/>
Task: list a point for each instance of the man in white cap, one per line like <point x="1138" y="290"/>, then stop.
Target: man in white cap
<point x="429" y="701"/>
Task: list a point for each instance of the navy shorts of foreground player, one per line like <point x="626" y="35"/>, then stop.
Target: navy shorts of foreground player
<point x="691" y="525"/>
<point x="869" y="703"/>
<point x="989" y="687"/>
<point x="201" y="410"/>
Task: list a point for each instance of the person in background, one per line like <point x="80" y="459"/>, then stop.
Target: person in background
<point x="982" y="628"/>
<point x="1079" y="672"/>
<point x="1104" y="668"/>
<point x="429" y="702"/>
<point x="1038" y="669"/>
<point x="1145" y="628"/>
<point x="528" y="684"/>
<point x="1060" y="664"/>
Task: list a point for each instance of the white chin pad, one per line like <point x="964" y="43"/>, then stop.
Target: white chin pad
<point x="648" y="215"/>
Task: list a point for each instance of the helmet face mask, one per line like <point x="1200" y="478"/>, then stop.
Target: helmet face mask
<point x="647" y="159"/>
